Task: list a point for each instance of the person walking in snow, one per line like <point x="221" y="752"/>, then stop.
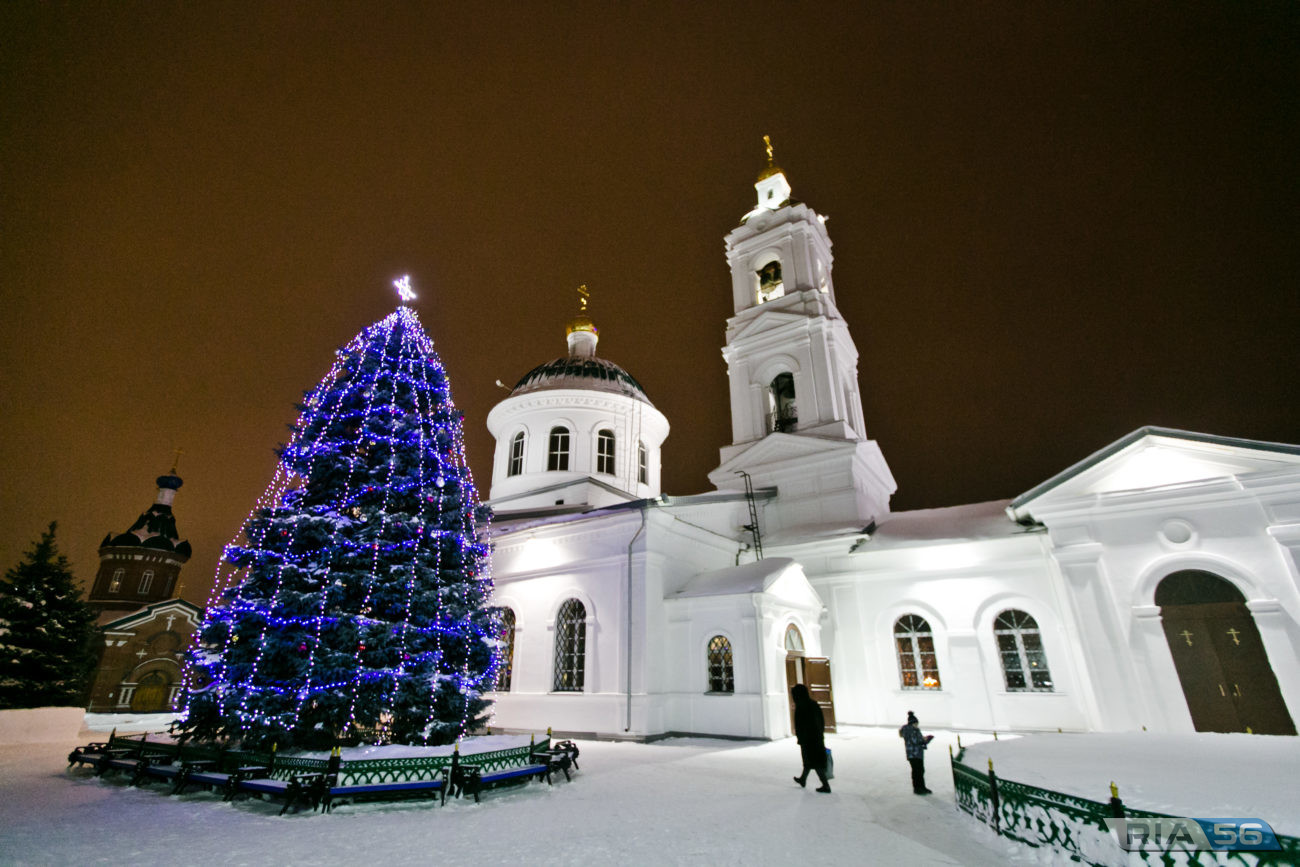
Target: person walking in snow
<point x="809" y="729"/>
<point x="914" y="743"/>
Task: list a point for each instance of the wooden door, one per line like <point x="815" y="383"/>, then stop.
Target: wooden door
<point x="151" y="695"/>
<point x="1224" y="669"/>
<point x="817" y="672"/>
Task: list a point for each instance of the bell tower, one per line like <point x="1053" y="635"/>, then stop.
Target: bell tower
<point x="796" y="414"/>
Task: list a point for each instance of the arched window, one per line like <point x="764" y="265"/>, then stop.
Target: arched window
<point x="642" y="465"/>
<point x="507" y="650"/>
<point x="782" y="414"/>
<point x="769" y="282"/>
<point x="516" y="465"/>
<point x="917" y="666"/>
<point x="570" y="647"/>
<point x="115" y="584"/>
<point x="146" y="579"/>
<point x="605" y="452"/>
<point x="793" y="639"/>
<point x="722" y="677"/>
<point x="1020" y="644"/>
<point x="557" y="456"/>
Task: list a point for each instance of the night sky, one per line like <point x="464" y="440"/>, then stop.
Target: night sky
<point x="1053" y="223"/>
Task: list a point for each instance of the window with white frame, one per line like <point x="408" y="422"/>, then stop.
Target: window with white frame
<point x="793" y="639"/>
<point x="642" y="465"/>
<point x="605" y="452"/>
<point x="570" y="647"/>
<point x="146" y="580"/>
<point x="722" y="678"/>
<point x="516" y="465"/>
<point x="918" y="668"/>
<point x="557" y="455"/>
<point x="507" y="651"/>
<point x="115" y="583"/>
<point x="1020" y="645"/>
<point x="124" y="697"/>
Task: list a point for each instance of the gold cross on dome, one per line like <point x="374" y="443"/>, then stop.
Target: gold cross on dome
<point x="1187" y="636"/>
<point x="176" y="460"/>
<point x="583" y="296"/>
<point x="767" y="143"/>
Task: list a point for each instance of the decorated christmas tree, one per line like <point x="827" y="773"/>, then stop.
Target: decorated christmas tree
<point x="353" y="606"/>
<point x="47" y="632"/>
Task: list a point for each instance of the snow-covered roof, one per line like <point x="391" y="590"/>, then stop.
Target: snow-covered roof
<point x="735" y="580"/>
<point x="969" y="523"/>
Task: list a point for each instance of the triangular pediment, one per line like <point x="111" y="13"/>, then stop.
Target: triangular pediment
<point x="780" y="579"/>
<point x="174" y="607"/>
<point x="777" y="448"/>
<point x="770" y="320"/>
<point x="1152" y="458"/>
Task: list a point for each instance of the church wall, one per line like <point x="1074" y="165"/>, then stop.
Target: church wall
<point x="959" y="589"/>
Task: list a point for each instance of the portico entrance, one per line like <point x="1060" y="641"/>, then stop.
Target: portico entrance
<point x="1220" y="659"/>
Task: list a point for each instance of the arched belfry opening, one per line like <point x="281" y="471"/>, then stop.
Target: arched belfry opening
<point x="782" y="413"/>
<point x="1221" y="661"/>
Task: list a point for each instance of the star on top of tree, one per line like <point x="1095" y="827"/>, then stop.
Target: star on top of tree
<point x="404" y="290"/>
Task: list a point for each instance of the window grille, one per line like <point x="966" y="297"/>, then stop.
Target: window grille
<point x="570" y="647"/>
<point x="115" y="585"/>
<point x="642" y="465"/>
<point x="721" y="673"/>
<point x="918" y="667"/>
<point x="1020" y="645"/>
<point x="146" y="580"/>
<point x="507" y="650"/>
<point x="516" y="455"/>
<point x="558" y="454"/>
<point x="605" y="452"/>
<point x="793" y="639"/>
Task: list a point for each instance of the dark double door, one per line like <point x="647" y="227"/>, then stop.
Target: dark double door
<point x="1224" y="670"/>
<point x="814" y="673"/>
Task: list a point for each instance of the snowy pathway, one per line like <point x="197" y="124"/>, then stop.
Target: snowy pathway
<point x="674" y="802"/>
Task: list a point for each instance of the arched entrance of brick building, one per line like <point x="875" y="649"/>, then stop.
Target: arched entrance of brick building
<point x="1221" y="662"/>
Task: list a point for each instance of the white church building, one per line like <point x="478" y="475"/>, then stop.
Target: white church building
<point x="1154" y="584"/>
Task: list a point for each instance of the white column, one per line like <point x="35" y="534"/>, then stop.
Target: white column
<point x="1160" y="692"/>
<point x="1281" y="636"/>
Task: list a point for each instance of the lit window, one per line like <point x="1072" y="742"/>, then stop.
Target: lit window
<point x="570" y="647"/>
<point x="1020" y="644"/>
<point x="507" y="650"/>
<point x="917" y="665"/>
<point x="721" y="674"/>
<point x="642" y="465"/>
<point x="605" y="452"/>
<point x="146" y="579"/>
<point x="557" y="457"/>
<point x="127" y="693"/>
<point x="115" y="585"/>
<point x="516" y="455"/>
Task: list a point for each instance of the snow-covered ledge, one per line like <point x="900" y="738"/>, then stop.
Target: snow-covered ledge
<point x="39" y="725"/>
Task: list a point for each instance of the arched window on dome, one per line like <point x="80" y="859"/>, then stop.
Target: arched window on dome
<point x="722" y="678"/>
<point x="557" y="454"/>
<point x="507" y="650"/>
<point x="115" y="584"/>
<point x="146" y="581"/>
<point x="1020" y="644"/>
<point x="605" y="452"/>
<point x="516" y="465"/>
<point x="782" y="414"/>
<point x="642" y="465"/>
<point x="570" y="647"/>
<point x="918" y="667"/>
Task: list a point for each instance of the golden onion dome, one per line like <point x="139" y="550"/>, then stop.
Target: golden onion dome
<point x="580" y="323"/>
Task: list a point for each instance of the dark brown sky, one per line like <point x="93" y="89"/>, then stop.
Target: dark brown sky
<point x="1053" y="223"/>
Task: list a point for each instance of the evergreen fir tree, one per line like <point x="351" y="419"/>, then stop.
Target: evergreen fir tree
<point x="354" y="605"/>
<point x="47" y="632"/>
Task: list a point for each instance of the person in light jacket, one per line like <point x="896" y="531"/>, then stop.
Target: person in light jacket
<point x="809" y="729"/>
<point x="914" y="743"/>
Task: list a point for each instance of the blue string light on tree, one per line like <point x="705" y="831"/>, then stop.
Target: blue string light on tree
<point x="354" y="604"/>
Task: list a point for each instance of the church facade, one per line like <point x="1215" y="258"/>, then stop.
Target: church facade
<point x="1152" y="585"/>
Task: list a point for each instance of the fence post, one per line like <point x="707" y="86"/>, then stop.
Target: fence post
<point x="993" y="798"/>
<point x="1116" y="805"/>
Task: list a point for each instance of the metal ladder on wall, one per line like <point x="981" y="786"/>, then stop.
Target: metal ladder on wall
<point x="752" y="526"/>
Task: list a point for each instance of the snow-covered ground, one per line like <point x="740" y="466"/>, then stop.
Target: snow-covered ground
<point x="683" y="801"/>
<point x="1226" y="775"/>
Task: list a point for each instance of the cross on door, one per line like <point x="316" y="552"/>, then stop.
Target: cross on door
<point x="1234" y="633"/>
<point x="1187" y="636"/>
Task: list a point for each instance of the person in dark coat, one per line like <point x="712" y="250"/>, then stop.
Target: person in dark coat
<point x="914" y="743"/>
<point x="809" y="729"/>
